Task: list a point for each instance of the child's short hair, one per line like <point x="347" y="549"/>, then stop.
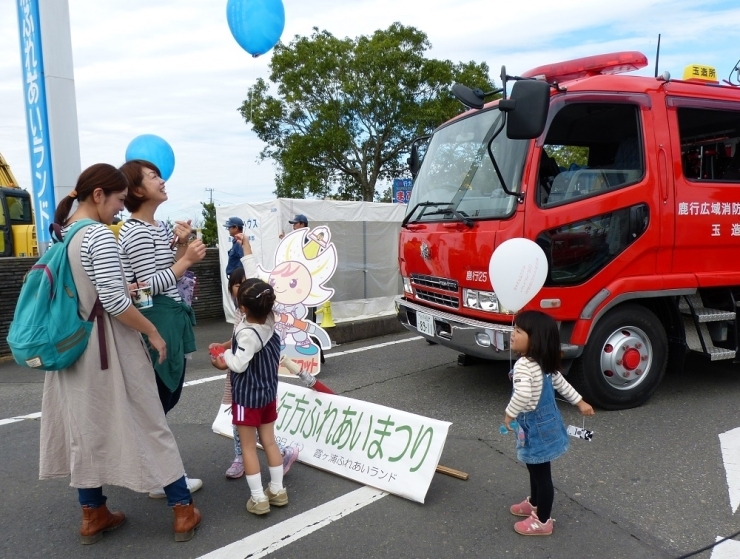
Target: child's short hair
<point x="544" y="339"/>
<point x="236" y="278"/>
<point x="257" y="297"/>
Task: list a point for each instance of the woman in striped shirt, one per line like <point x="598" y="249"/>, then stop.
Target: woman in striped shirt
<point x="541" y="435"/>
<point x="92" y="420"/>
<point x="155" y="255"/>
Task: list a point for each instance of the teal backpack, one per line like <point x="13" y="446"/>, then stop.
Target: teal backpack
<point x="47" y="331"/>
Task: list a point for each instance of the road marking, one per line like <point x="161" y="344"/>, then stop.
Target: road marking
<point x="726" y="550"/>
<point x="273" y="538"/>
<point x="337" y="354"/>
<point x="202" y="380"/>
<point x="20" y="418"/>
<point x="729" y="441"/>
<point x="221" y="377"/>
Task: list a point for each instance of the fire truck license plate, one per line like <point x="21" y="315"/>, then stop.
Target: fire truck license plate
<point x="425" y="323"/>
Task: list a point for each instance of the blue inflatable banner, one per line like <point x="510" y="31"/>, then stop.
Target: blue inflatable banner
<point x="37" y="121"/>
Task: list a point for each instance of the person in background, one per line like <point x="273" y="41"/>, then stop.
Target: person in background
<point x="300" y="221"/>
<point x="235" y="225"/>
<point x="153" y="254"/>
<point x="541" y="434"/>
<point x="105" y="427"/>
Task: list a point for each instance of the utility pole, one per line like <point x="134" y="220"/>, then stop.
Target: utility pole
<point x="211" y="191"/>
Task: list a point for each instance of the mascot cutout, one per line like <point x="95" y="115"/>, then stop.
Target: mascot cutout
<point x="304" y="261"/>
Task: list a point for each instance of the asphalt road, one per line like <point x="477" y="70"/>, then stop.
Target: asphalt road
<point x="651" y="484"/>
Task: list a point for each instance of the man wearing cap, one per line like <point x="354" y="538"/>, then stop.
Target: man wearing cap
<point x="298" y="222"/>
<point x="234" y="225"/>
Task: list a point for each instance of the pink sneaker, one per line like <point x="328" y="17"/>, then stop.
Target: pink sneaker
<point x="290" y="455"/>
<point x="236" y="470"/>
<point x="532" y="526"/>
<point x="524" y="508"/>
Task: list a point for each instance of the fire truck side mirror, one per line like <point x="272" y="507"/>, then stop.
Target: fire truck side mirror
<point x="413" y="161"/>
<point x="527" y="118"/>
<point x="472" y="98"/>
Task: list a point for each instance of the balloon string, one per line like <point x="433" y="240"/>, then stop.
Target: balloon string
<point x="511" y="358"/>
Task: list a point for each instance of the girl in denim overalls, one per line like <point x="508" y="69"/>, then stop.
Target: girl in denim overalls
<point x="541" y="435"/>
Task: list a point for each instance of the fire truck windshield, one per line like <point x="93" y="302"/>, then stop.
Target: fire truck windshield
<point x="457" y="175"/>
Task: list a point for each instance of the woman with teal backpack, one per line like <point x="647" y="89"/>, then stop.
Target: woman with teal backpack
<point x="155" y="255"/>
<point x="92" y="420"/>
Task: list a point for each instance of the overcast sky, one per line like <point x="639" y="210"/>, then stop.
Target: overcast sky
<point x="172" y="68"/>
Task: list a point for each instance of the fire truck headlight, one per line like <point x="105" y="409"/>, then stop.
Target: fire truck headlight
<point x="488" y="301"/>
<point x="407" y="286"/>
<point x="480" y="300"/>
<point x="470" y="296"/>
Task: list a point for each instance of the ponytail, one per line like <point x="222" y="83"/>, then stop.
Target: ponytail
<point x="62" y="212"/>
<point x="101" y="175"/>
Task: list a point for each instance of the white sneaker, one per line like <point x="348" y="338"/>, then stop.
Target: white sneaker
<point x="193" y="484"/>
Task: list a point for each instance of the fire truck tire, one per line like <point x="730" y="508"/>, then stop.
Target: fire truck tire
<point x="624" y="360"/>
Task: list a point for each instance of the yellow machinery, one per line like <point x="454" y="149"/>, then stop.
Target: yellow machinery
<point x="17" y="230"/>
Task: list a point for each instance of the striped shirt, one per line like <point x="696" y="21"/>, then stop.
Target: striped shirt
<point x="99" y="255"/>
<point x="254" y="359"/>
<point x="528" y="387"/>
<point x="147" y="257"/>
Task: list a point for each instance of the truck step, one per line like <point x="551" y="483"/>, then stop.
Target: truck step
<point x="703" y="314"/>
<point x="694" y="341"/>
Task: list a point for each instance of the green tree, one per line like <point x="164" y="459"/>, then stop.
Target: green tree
<point x="346" y="110"/>
<point x="209" y="231"/>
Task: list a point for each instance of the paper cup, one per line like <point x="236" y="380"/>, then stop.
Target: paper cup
<point x="142" y="297"/>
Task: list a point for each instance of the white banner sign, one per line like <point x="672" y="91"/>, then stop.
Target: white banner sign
<point x="392" y="450"/>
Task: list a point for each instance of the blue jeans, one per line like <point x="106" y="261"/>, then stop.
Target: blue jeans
<point x="177" y="494"/>
<point x="91" y="497"/>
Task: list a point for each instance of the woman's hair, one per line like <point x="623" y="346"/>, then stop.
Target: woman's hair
<point x="134" y="171"/>
<point x="257" y="297"/>
<point x="101" y="175"/>
<point x="544" y="339"/>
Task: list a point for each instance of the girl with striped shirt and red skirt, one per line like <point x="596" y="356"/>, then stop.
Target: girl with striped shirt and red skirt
<point x="253" y="362"/>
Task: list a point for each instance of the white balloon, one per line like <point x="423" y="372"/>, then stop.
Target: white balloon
<point x="518" y="269"/>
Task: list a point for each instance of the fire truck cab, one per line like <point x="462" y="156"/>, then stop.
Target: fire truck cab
<point x="630" y="185"/>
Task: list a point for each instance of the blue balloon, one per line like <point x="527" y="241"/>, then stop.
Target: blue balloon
<point x="155" y="150"/>
<point x="256" y="24"/>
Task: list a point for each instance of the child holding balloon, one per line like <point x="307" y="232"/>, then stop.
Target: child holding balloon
<point x="541" y="433"/>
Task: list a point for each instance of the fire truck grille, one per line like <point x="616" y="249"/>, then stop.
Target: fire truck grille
<point x="438" y="298"/>
<point x="438" y="283"/>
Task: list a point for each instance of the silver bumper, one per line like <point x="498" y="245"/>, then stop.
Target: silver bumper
<point x="469" y="336"/>
<point x="486" y="340"/>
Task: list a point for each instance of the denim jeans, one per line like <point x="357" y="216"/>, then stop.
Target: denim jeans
<point x="91" y="497"/>
<point x="178" y="493"/>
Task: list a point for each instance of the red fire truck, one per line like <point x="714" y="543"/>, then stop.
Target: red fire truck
<point x="630" y="185"/>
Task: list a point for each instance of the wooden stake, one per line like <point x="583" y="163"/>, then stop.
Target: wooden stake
<point x="450" y="472"/>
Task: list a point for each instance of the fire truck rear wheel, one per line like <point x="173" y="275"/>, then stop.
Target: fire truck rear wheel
<point x="624" y="360"/>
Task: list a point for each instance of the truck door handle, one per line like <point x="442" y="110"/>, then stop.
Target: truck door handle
<point x="663" y="174"/>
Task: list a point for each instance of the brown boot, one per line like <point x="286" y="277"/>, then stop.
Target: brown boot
<point x="187" y="519"/>
<point x="96" y="520"/>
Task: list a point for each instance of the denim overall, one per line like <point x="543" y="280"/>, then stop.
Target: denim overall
<point x="541" y="436"/>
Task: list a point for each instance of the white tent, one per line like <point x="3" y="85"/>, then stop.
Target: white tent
<point x="364" y="233"/>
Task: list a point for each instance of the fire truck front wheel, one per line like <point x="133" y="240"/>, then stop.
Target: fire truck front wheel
<point x="624" y="359"/>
